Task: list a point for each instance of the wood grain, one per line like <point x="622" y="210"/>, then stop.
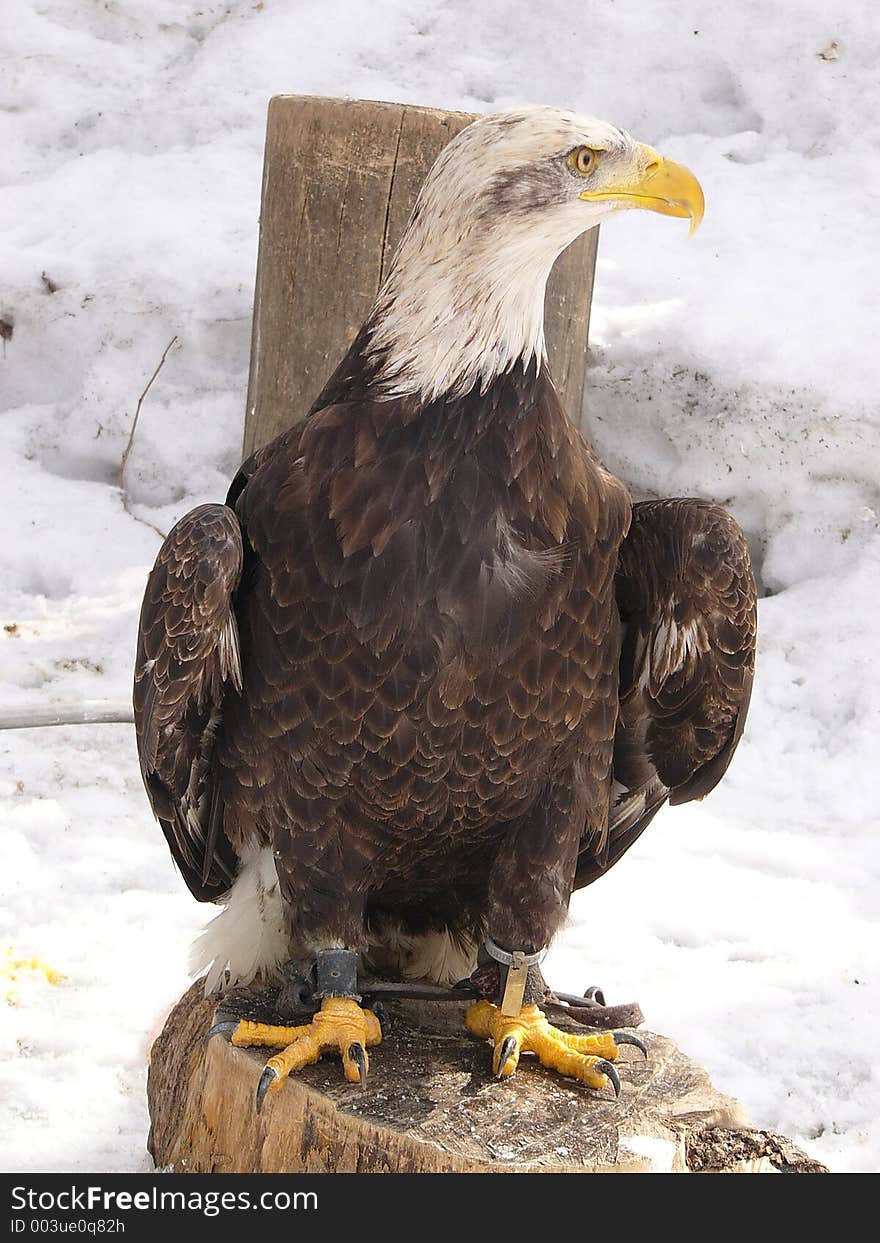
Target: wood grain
<point x="431" y="1105"/>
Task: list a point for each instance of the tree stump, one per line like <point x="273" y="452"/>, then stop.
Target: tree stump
<point x="431" y="1105"/>
<point x="340" y="178"/>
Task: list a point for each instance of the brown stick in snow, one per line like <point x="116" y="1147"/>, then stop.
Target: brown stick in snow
<point x="130" y="445"/>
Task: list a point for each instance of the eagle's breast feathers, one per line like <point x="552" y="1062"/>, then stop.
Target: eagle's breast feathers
<point x="428" y="628"/>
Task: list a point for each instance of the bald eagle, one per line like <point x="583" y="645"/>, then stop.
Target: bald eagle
<point x="429" y="669"/>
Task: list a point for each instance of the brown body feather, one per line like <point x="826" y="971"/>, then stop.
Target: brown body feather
<point x="429" y="616"/>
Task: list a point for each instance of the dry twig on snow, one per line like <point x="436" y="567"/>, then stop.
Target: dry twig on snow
<point x="130" y="445"/>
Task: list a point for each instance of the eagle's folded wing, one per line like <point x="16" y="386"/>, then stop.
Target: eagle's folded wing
<point x="687" y="599"/>
<point x="187" y="659"/>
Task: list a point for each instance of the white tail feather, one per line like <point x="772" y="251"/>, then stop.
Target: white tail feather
<point x="440" y="957"/>
<point x="249" y="937"/>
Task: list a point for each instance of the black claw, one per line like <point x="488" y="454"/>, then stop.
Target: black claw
<point x="358" y="1055"/>
<point x="626" y="1038"/>
<point x="607" y="1069"/>
<point x="381" y="1014"/>
<point x="594" y="996"/>
<point x="226" y="1028"/>
<point x="508" y="1048"/>
<point x="267" y="1078"/>
<point x="297" y="993"/>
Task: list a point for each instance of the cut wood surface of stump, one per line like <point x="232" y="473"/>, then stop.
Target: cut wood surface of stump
<point x="340" y="179"/>
<point x="431" y="1105"/>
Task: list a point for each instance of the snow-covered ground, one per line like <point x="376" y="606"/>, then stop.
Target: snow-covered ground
<point x="741" y="366"/>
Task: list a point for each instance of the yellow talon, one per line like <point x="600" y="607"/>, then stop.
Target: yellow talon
<point x="262" y="1035"/>
<point x="340" y="1025"/>
<point x="583" y="1057"/>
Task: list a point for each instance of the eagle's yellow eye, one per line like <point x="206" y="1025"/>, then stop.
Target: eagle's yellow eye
<point x="583" y="160"/>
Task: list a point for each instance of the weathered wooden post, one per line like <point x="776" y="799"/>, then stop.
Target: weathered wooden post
<point x="339" y="182"/>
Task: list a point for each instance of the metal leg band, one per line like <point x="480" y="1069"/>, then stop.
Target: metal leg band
<point x="513" y="971"/>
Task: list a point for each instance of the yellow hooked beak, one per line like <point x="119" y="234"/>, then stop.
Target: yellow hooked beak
<point x="663" y="186"/>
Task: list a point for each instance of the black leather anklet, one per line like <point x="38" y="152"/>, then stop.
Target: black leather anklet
<point x="336" y="974"/>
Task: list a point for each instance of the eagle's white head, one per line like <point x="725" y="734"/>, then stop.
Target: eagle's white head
<point x="464" y="296"/>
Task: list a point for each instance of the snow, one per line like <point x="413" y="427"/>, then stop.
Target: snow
<point x="740" y="365"/>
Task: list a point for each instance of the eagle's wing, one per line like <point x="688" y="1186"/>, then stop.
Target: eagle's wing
<point x="187" y="658"/>
<point x="687" y="600"/>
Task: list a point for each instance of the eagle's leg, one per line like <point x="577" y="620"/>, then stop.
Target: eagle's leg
<point x="587" y="1058"/>
<point x="529" y="888"/>
<point x="517" y="1025"/>
<point x="340" y="1026"/>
